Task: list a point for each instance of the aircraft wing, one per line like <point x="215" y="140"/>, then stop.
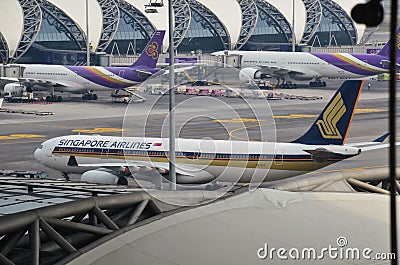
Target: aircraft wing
<point x="147" y="166"/>
<point x="374" y="145"/>
<point x="143" y="72"/>
<point x="9" y="79"/>
<point x="387" y="63"/>
<point x="275" y="70"/>
<point x="42" y="82"/>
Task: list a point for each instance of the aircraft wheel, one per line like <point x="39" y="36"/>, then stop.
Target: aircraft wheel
<point x="59" y="99"/>
<point x="324" y="84"/>
<point x="311" y="84"/>
<point x="94" y="96"/>
<point x="122" y="181"/>
<point x="294" y="86"/>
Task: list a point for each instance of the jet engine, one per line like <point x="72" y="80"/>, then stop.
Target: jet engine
<point x="103" y="177"/>
<point x="249" y="74"/>
<point x="14" y="88"/>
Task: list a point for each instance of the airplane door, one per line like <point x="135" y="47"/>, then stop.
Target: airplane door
<point x="121" y="73"/>
<point x="48" y="151"/>
<point x="104" y="153"/>
<point x="278" y="160"/>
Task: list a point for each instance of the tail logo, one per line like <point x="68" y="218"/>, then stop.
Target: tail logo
<point x="335" y="111"/>
<point x="152" y="50"/>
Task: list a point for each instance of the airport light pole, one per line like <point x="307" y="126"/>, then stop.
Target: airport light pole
<point x="87" y="35"/>
<point x="392" y="130"/>
<point x="293" y="35"/>
<point x="172" y="172"/>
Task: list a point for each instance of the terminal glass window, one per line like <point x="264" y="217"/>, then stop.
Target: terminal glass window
<point x="200" y="37"/>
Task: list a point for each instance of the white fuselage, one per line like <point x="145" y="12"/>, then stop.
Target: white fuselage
<point x="231" y="161"/>
<point x="305" y="66"/>
<point x="75" y="79"/>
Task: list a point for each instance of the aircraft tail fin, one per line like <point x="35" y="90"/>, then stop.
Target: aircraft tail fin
<point x="386" y="49"/>
<point x="333" y="124"/>
<point x="152" y="51"/>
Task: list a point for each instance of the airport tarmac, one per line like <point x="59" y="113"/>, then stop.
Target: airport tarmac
<point x="21" y="134"/>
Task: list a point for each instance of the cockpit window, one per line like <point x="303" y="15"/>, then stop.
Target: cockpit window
<point x="41" y="146"/>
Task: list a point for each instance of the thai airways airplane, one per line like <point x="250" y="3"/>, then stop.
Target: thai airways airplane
<point x="86" y="79"/>
<point x="203" y="161"/>
<point x="307" y="66"/>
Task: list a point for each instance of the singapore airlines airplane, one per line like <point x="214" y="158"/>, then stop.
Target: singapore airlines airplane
<point x="86" y="79"/>
<point x="308" y="66"/>
<point x="203" y="161"/>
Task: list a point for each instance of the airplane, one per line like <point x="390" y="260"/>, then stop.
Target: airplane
<point x="305" y="66"/>
<point x="115" y="158"/>
<point x="86" y="79"/>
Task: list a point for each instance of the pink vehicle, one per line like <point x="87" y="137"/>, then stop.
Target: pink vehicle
<point x="216" y="93"/>
<point x="190" y="91"/>
<point x="204" y="92"/>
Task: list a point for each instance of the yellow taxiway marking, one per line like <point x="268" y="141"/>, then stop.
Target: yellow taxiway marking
<point x="299" y="116"/>
<point x="97" y="130"/>
<point x="20" y="136"/>
<point x="239" y="120"/>
<point x="295" y="116"/>
<point x="24" y="142"/>
<point x="359" y="111"/>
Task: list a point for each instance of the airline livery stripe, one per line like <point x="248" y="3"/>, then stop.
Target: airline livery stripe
<point x="356" y="64"/>
<point x="122" y="154"/>
<point x="103" y="76"/>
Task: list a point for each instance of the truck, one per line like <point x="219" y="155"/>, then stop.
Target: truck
<point x="203" y="92"/>
<point x="157" y="89"/>
<point x="218" y="92"/>
<point x="190" y="91"/>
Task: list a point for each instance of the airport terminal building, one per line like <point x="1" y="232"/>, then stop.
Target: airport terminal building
<point x="55" y="31"/>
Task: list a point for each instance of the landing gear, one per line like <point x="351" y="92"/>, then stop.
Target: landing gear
<point x="89" y="96"/>
<point x="122" y="181"/>
<point x="288" y="84"/>
<point x="53" y="98"/>
<point x="66" y="176"/>
<point x="318" y="83"/>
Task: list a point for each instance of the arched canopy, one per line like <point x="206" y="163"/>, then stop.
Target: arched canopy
<point x="58" y="26"/>
<point x="336" y="26"/>
<point x="32" y="17"/>
<point x="4" y="53"/>
<point x="249" y="21"/>
<point x="134" y="30"/>
<point x="272" y="27"/>
<point x="110" y="20"/>
<point x="206" y="32"/>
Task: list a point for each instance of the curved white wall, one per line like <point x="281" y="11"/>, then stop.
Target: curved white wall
<point x="225" y="11"/>
<point x="11" y="25"/>
<point x="76" y="10"/>
<point x="348" y="5"/>
<point x="286" y="9"/>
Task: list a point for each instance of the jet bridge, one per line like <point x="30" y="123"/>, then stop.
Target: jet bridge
<point x="11" y="70"/>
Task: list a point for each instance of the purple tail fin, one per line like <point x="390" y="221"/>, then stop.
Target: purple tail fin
<point x="151" y="52"/>
<point x="386" y="49"/>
